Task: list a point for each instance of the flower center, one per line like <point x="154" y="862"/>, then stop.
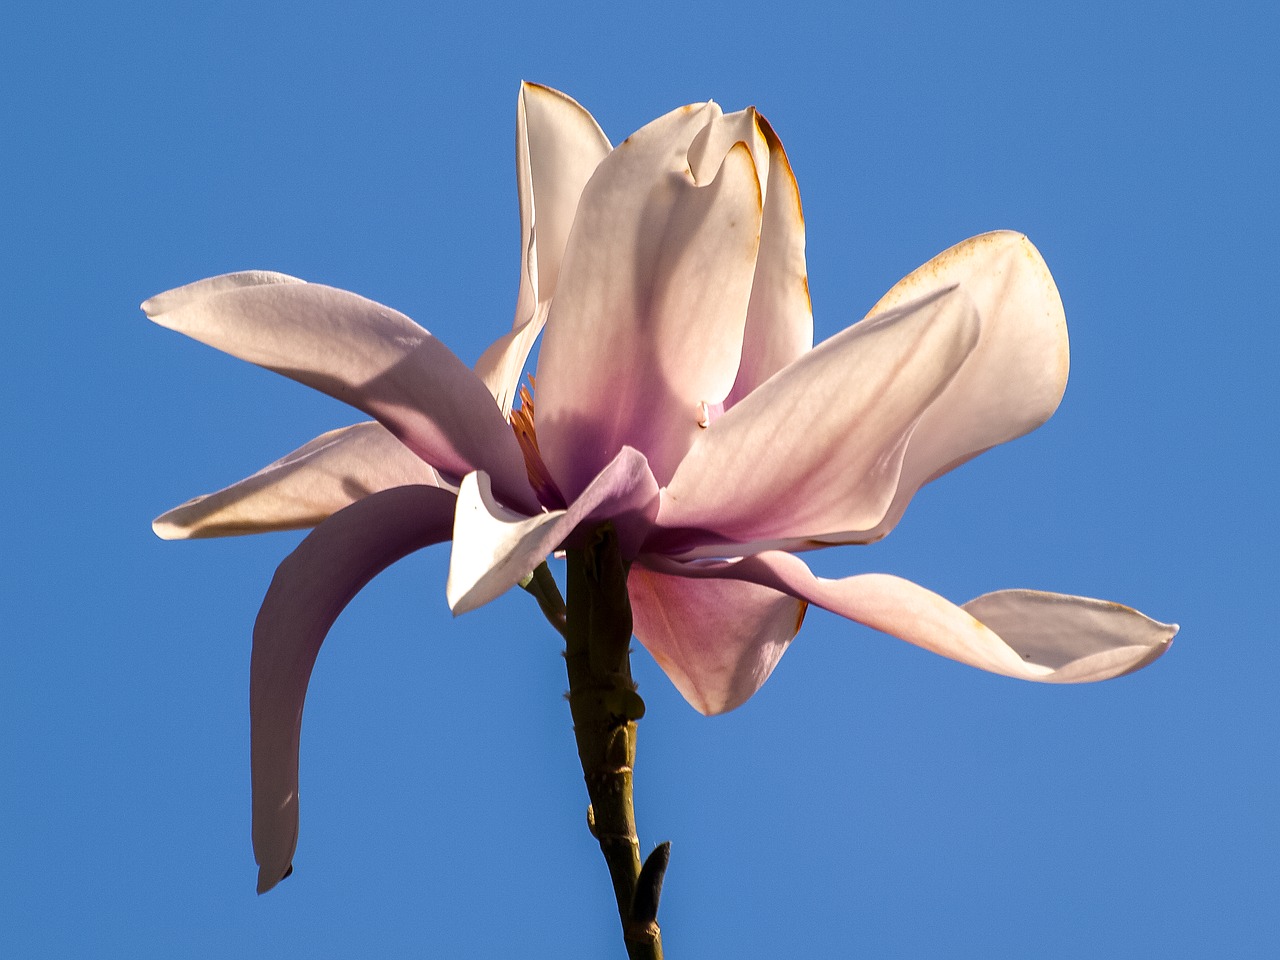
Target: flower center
<point x="544" y="487"/>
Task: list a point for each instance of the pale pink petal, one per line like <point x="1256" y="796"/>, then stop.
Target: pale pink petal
<point x="779" y="319"/>
<point x="184" y="296"/>
<point x="309" y="590"/>
<point x="817" y="449"/>
<point x="1080" y="638"/>
<point x="558" y="146"/>
<point x="495" y="548"/>
<point x="779" y="324"/>
<point x="718" y="640"/>
<point x="502" y="364"/>
<point x="708" y="148"/>
<point x="299" y="490"/>
<point x="1015" y="376"/>
<point x="651" y="303"/>
<point x="1047" y="637"/>
<point x="362" y="353"/>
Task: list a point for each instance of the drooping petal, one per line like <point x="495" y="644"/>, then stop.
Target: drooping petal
<point x="495" y="548"/>
<point x="362" y="353"/>
<point x="817" y="449"/>
<point x="1015" y="376"/>
<point x="651" y="303"/>
<point x="558" y="147"/>
<point x="1027" y="634"/>
<point x="718" y="640"/>
<point x="301" y="489"/>
<point x="309" y="590"/>
<point x="780" y="319"/>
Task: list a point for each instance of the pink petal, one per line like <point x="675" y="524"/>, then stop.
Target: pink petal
<point x="817" y="449"/>
<point x="362" y="353"/>
<point x="1047" y="637"/>
<point x="1016" y="375"/>
<point x="558" y="146"/>
<point x="495" y="548"/>
<point x="300" y="490"/>
<point x="779" y="319"/>
<point x="718" y="640"/>
<point x="651" y="303"/>
<point x="309" y="590"/>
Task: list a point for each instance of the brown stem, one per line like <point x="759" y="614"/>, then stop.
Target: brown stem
<point x="542" y="586"/>
<point x="605" y="708"/>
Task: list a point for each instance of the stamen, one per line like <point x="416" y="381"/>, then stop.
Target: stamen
<point x="522" y="424"/>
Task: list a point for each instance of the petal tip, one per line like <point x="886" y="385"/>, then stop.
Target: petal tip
<point x="460" y="599"/>
<point x="268" y="879"/>
<point x="167" y="530"/>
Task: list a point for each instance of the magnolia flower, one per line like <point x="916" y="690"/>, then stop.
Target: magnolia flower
<point x="679" y="398"/>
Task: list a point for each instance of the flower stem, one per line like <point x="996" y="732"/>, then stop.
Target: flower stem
<point x="605" y="708"/>
<point x="542" y="586"/>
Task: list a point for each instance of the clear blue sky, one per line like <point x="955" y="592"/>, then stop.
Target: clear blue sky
<point x="871" y="801"/>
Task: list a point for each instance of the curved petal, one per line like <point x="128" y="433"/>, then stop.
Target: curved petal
<point x="362" y="353"/>
<point x="779" y="319"/>
<point x="558" y="147"/>
<point x="718" y="640"/>
<point x="495" y="548"/>
<point x="651" y="302"/>
<point x="713" y="142"/>
<point x="309" y="590"/>
<point x="1016" y="375"/>
<point x="1080" y="638"/>
<point x="301" y="489"/>
<point x="1046" y="637"/>
<point x="817" y="449"/>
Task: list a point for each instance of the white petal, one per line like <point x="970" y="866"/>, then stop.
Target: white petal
<point x="558" y="147"/>
<point x="494" y="548"/>
<point x="301" y="489"/>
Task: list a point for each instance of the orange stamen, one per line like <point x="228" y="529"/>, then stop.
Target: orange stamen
<point x="522" y="425"/>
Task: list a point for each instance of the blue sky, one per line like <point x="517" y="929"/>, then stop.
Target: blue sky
<point x="871" y="800"/>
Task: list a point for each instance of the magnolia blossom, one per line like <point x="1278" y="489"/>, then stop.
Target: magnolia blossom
<point x="679" y="398"/>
